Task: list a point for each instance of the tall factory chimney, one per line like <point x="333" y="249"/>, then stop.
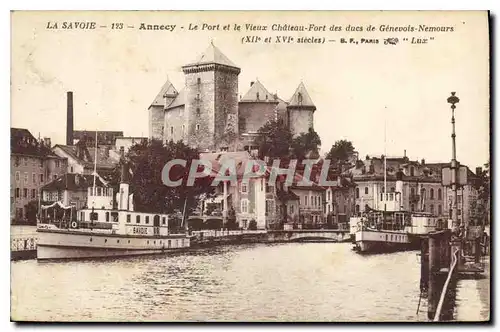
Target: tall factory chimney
<point x="69" y="119"/>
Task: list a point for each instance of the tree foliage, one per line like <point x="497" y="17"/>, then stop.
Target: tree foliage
<point x="340" y="152"/>
<point x="306" y="145"/>
<point x="146" y="161"/>
<point x="274" y="140"/>
<point x="480" y="207"/>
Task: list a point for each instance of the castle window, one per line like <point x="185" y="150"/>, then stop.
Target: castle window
<point x="198" y="96"/>
<point x="128" y="217"/>
<point x="197" y="127"/>
<point x="366" y="190"/>
<point x="257" y="96"/>
<point x="147" y="219"/>
<point x="172" y="131"/>
<point x="197" y="111"/>
<point x="299" y="97"/>
<point x="198" y="80"/>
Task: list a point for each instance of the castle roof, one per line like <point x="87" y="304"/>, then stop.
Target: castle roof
<point x="301" y="98"/>
<point x="179" y="100"/>
<point x="258" y="93"/>
<point x="212" y="55"/>
<point x="167" y="89"/>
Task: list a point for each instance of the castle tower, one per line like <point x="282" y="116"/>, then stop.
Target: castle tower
<point x="300" y="111"/>
<point x="211" y="101"/>
<point x="157" y="110"/>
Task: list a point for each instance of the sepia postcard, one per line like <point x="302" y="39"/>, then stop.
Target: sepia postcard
<point x="250" y="166"/>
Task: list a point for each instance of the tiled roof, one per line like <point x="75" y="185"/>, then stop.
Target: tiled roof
<point x="179" y="100"/>
<point x="258" y="90"/>
<point x="23" y="142"/>
<point x="167" y="89"/>
<point x="213" y="55"/>
<point x="103" y="160"/>
<point x="72" y="182"/>
<point x="301" y="97"/>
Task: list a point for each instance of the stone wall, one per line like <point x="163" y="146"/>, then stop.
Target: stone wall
<point x="156" y="121"/>
<point x="226" y="108"/>
<point x="175" y="124"/>
<point x="300" y="120"/>
<point x="255" y="114"/>
<point x="199" y="110"/>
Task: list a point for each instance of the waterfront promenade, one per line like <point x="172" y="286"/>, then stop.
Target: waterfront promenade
<point x="473" y="297"/>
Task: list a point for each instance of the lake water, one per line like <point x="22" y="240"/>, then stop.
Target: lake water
<point x="260" y="282"/>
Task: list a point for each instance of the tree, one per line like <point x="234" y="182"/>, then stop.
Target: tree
<point x="340" y="153"/>
<point x="146" y="161"/>
<point x="306" y="145"/>
<point x="480" y="207"/>
<point x="274" y="140"/>
<point x="252" y="225"/>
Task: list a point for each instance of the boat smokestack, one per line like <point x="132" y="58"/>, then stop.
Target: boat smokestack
<point x="69" y="118"/>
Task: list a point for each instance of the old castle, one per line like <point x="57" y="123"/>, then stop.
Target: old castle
<point x="209" y="114"/>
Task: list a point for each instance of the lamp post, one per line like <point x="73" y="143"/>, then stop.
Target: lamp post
<point x="454" y="166"/>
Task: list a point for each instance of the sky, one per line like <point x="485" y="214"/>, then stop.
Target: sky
<point x="383" y="98"/>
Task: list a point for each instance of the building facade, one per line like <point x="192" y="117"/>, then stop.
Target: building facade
<point x="422" y="186"/>
<point x="32" y="165"/>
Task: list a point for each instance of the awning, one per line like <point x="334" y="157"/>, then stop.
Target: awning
<point x="44" y="207"/>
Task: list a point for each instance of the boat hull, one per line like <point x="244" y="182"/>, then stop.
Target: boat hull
<point x="57" y="244"/>
<point x="379" y="241"/>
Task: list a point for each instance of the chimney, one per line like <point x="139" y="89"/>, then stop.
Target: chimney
<point x="47" y="142"/>
<point x="405" y="154"/>
<point x="252" y="83"/>
<point x="479" y="171"/>
<point x="122" y="152"/>
<point x="69" y="119"/>
<point x="423" y="161"/>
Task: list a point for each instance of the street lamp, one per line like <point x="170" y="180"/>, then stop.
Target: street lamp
<point x="454" y="166"/>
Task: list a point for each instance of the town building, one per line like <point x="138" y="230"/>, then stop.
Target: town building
<point x="340" y="203"/>
<point x="70" y="189"/>
<point x="126" y="143"/>
<point x="208" y="114"/>
<point x="32" y="164"/>
<point x="422" y="186"/>
<point x="80" y="157"/>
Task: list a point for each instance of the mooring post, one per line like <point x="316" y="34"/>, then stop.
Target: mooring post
<point x="433" y="291"/>
<point x="424" y="265"/>
<point x="477" y="250"/>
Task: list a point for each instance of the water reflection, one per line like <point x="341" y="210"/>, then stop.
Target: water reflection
<point x="283" y="282"/>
